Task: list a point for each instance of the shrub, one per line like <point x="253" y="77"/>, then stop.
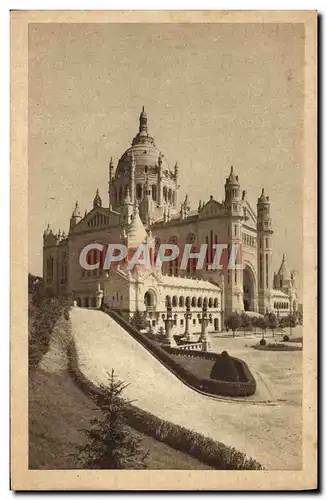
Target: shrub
<point x="262" y="342"/>
<point x="286" y="338"/>
<point x="224" y="368"/>
<point x="42" y="320"/>
<point x="111" y="444"/>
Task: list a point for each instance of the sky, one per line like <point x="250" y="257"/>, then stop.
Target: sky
<point x="216" y="95"/>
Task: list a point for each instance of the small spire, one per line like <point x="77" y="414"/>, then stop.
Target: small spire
<point x="143" y="122"/>
<point x="76" y="212"/>
<point x="97" y="202"/>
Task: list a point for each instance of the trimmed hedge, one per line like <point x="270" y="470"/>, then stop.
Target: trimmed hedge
<point x="42" y="319"/>
<point x="245" y="386"/>
<point x="208" y="451"/>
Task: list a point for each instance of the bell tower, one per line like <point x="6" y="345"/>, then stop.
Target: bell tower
<point x="265" y="232"/>
<point x="233" y="277"/>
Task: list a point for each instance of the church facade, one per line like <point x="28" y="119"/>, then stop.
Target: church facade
<point x="144" y="206"/>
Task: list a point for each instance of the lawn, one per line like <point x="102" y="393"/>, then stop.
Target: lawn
<point x="56" y="424"/>
<point x="199" y="366"/>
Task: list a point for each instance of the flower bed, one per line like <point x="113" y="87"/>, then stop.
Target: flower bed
<point x="277" y="347"/>
<point x="244" y="386"/>
<point x="213" y="453"/>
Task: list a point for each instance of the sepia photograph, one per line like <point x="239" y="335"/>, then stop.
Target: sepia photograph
<point x="167" y="189"/>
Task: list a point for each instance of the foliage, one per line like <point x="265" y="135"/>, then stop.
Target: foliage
<point x="111" y="444"/>
<point x="254" y="323"/>
<point x="224" y="369"/>
<point x="263" y="342"/>
<point x="272" y="322"/>
<point x="286" y="338"/>
<point x="233" y="322"/>
<point x="245" y="322"/>
<point x="42" y="319"/>
<point x="139" y="321"/>
<point x="213" y="453"/>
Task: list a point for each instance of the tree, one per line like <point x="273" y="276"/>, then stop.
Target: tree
<point x="111" y="443"/>
<point x="254" y="323"/>
<point x="233" y="322"/>
<point x="245" y="322"/>
<point x="272" y="322"/>
<point x="139" y="321"/>
<point x="262" y="323"/>
<point x="291" y="321"/>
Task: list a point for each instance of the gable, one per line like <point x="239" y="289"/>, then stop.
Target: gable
<point x="251" y="219"/>
<point x="98" y="218"/>
<point x="211" y="208"/>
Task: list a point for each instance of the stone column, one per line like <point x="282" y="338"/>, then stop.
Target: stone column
<point x="204" y="330"/>
<point x="188" y="316"/>
<point x="168" y="328"/>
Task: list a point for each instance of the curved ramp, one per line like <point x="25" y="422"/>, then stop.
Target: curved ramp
<point x="262" y="432"/>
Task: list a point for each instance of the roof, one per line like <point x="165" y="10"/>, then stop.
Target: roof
<point x="279" y="293"/>
<point x="136" y="233"/>
<point x="178" y="281"/>
<point x="284" y="270"/>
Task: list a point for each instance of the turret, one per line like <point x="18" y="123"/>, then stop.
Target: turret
<point x="132" y="177"/>
<point x="97" y="202"/>
<point x="110" y="179"/>
<point x="160" y="179"/>
<point x="176" y="175"/>
<point x="264" y="222"/>
<point x="127" y="210"/>
<point x="146" y="206"/>
<point x="232" y="194"/>
<point x="75" y="218"/>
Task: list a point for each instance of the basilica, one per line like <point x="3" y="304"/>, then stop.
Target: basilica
<point x="143" y="206"/>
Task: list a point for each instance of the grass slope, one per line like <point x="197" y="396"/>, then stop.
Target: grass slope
<point x="59" y="411"/>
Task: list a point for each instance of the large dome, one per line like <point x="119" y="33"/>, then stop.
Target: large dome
<point x="145" y="155"/>
<point x="144" y="151"/>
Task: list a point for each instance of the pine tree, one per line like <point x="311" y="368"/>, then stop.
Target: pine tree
<point x="111" y="442"/>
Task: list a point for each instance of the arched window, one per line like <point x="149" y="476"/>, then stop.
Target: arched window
<point x="139" y="191"/>
<point x="167" y="301"/>
<point x="170" y="195"/>
<point x="181" y="302"/>
<point x="188" y="302"/>
<point x="125" y="191"/>
<point x="193" y="304"/>
<point x="200" y="302"/>
<point x="215" y="303"/>
<point x="205" y="302"/>
<point x="164" y="191"/>
<point x="210" y="302"/>
<point x="154" y="192"/>
<point x="175" y="301"/>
